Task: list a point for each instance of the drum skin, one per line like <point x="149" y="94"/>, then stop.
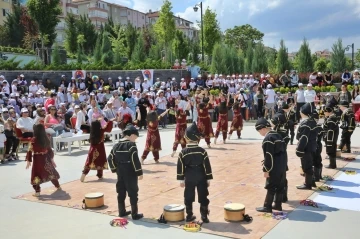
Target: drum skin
<point x="234" y="212"/>
<point x="94" y="200"/>
<point x="174" y="213"/>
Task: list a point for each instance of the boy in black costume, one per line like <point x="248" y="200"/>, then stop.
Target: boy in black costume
<point x="124" y="161"/>
<point x="331" y="134"/>
<point x="274" y="165"/>
<point x="347" y="125"/>
<point x="194" y="171"/>
<point x="317" y="162"/>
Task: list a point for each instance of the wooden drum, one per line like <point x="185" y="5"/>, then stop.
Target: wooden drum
<point x="94" y="200"/>
<point x="234" y="212"/>
<point x="174" y="213"/>
<point x="338" y="153"/>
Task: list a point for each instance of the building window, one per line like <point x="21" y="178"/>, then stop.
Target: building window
<point x="115" y="10"/>
<point x="129" y="13"/>
<point x="5" y="12"/>
<point x="187" y="24"/>
<point x="142" y="17"/>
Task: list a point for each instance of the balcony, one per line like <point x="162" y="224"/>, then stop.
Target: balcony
<point x="99" y="6"/>
<point x="95" y="15"/>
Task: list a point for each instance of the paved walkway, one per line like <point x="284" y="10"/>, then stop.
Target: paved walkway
<point x="20" y="218"/>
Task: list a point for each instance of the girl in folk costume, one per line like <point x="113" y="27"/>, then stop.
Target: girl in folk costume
<point x="181" y="125"/>
<point x="96" y="159"/>
<point x="153" y="141"/>
<point x="237" y="122"/>
<point x="204" y="120"/>
<point x="222" y="124"/>
<point x="42" y="157"/>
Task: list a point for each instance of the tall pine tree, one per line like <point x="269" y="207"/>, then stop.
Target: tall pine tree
<point x="282" y="60"/>
<point x="97" y="50"/>
<point x="304" y="59"/>
<point x="249" y="54"/>
<point x="107" y="57"/>
<point x="338" y="59"/>
<point x="259" y="63"/>
<point x="71" y="33"/>
<point x="218" y="62"/>
<point x="139" y="54"/>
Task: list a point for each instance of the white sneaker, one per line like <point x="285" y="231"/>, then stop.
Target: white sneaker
<point x="36" y="195"/>
<point x="229" y="136"/>
<point x="215" y="140"/>
<point x="82" y="178"/>
<point x="224" y="141"/>
<point x="173" y="154"/>
<point x="209" y="146"/>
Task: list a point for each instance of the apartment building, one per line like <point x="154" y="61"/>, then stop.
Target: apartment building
<point x="6" y="8"/>
<point x="325" y="54"/>
<point x="123" y="15"/>
<point x="181" y="24"/>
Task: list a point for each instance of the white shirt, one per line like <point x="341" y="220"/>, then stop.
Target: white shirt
<point x="137" y="85"/>
<point x="122" y="111"/>
<point x="175" y="94"/>
<point x="80" y="120"/>
<point x="2" y="140"/>
<point x="357" y="99"/>
<point x="82" y="86"/>
<point x="119" y="84"/>
<point x="300" y="96"/>
<point x="270" y="96"/>
<point x="14" y="88"/>
<point x="243" y="97"/>
<point x="192" y="85"/>
<point x="61" y="97"/>
<point x="145" y="86"/>
<point x="184" y="92"/>
<point x="33" y="88"/>
<point x="309" y="96"/>
<point x="160" y="102"/>
<point x="6" y="89"/>
<point x="39" y="100"/>
<point x="25" y="123"/>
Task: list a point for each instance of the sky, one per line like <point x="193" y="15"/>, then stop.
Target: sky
<point x="321" y="22"/>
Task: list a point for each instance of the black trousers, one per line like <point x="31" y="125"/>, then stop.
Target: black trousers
<point x="127" y="184"/>
<point x="276" y="182"/>
<point x="317" y="160"/>
<point x="298" y="106"/>
<point x="85" y="127"/>
<point x="346" y="139"/>
<point x="11" y="143"/>
<point x="143" y="119"/>
<point x="202" y="191"/>
<point x="28" y="135"/>
<point x="307" y="162"/>
<point x="243" y="112"/>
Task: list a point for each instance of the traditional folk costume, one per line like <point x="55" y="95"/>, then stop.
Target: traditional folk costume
<point x="237" y="122"/>
<point x="306" y="135"/>
<point x="194" y="170"/>
<point x="317" y="162"/>
<point x="124" y="161"/>
<point x="204" y="121"/>
<point x="331" y="134"/>
<point x="222" y="124"/>
<point x="153" y="141"/>
<point x="181" y="125"/>
<point x="96" y="159"/>
<point x="290" y="123"/>
<point x="274" y="164"/>
<point x="348" y="126"/>
<point x="43" y="169"/>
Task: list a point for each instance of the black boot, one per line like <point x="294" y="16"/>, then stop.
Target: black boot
<point x="134" y="213"/>
<point x="122" y="210"/>
<point x="320" y="173"/>
<point x="267" y="204"/>
<point x="348" y="149"/>
<point x="308" y="183"/>
<point x="204" y="211"/>
<point x="285" y="195"/>
<point x="278" y="201"/>
<point x="332" y="164"/>
<point x="189" y="213"/>
<point x="292" y="139"/>
<point x="313" y="184"/>
<point x="317" y="174"/>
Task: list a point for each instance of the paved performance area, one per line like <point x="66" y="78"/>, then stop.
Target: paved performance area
<point x="237" y="178"/>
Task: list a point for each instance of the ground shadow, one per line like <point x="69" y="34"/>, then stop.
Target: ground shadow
<point x="168" y="163"/>
<point x="151" y="223"/>
<point x="220" y="149"/>
<point x="78" y="152"/>
<point x="97" y="209"/>
<point x="301" y="215"/>
<point x="55" y="196"/>
<point x="339" y="193"/>
<point x="106" y="180"/>
<point x="226" y="227"/>
<point x="152" y="172"/>
<point x="341" y="183"/>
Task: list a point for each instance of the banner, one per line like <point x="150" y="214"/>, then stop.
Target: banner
<point x="79" y="74"/>
<point x="148" y="74"/>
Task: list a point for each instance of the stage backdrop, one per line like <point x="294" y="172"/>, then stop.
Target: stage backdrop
<point x="149" y="74"/>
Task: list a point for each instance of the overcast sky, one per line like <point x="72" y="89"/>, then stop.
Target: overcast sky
<point x="322" y="22"/>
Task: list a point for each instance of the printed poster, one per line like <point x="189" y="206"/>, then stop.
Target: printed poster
<point x="148" y="74"/>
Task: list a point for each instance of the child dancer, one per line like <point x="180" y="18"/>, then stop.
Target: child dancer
<point x="194" y="171"/>
<point x="180" y="116"/>
<point x="237" y="122"/>
<point x="222" y="124"/>
<point x="153" y="142"/>
<point x="204" y="121"/>
<point x="96" y="159"/>
<point x="42" y="156"/>
<point x="124" y="161"/>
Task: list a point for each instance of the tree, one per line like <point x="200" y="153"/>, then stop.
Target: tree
<point x="212" y="32"/>
<point x="56" y="59"/>
<point x="71" y="33"/>
<point x="218" y="64"/>
<point x="195" y="51"/>
<point x="46" y="14"/>
<point x="239" y="36"/>
<point x="282" y="60"/>
<point x="180" y="45"/>
<point x="107" y="57"/>
<point x="338" y="59"/>
<point x="155" y="52"/>
<point x="15" y="31"/>
<point x="131" y="37"/>
<point x="259" y="63"/>
<point x="31" y="35"/>
<point x="97" y="50"/>
<point x="321" y="64"/>
<point x="165" y="25"/>
<point x="118" y="44"/>
<point x="139" y="54"/>
<point x="357" y="58"/>
<point x="271" y="61"/>
<point x="149" y="40"/>
<point x="241" y="60"/>
<point x="80" y="40"/>
<point x="86" y="28"/>
<point x="304" y="58"/>
<point x="249" y="54"/>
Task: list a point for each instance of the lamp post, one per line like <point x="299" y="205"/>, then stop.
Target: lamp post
<point x="352" y="54"/>
<point x="196" y="8"/>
